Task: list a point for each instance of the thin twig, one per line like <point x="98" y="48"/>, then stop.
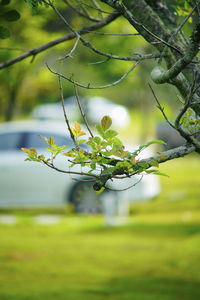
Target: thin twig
<point x="137" y="57"/>
<point x="93" y="87"/>
<point x="97" y="6"/>
<point x="176" y="31"/>
<point x="186" y="105"/>
<point x="58" y="41"/>
<point x="118" y="34"/>
<point x="97" y="9"/>
<point x="98" y="62"/>
<point x="129" y="187"/>
<point x="83" y="180"/>
<point x="119" y="6"/>
<point x="160" y="107"/>
<point x="69" y="54"/>
<point x="64" y="112"/>
<point x="90" y="46"/>
<point x="82" y="112"/>
<point x="85" y="15"/>
<point x="68" y="172"/>
<point x="63" y="19"/>
<point x="185" y="133"/>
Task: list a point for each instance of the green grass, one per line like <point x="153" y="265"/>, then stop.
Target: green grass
<point x="155" y="256"/>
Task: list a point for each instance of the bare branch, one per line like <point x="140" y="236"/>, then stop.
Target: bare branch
<point x="90" y="46"/>
<point x="68" y="172"/>
<point x="171" y="154"/>
<point x="65" y="115"/>
<point x="129" y="16"/>
<point x="69" y="54"/>
<point x="93" y="87"/>
<point x="114" y="34"/>
<point x="96" y="8"/>
<point x="161" y="108"/>
<point x="176" y="31"/>
<point x="177" y="125"/>
<point x="85" y="15"/>
<point x="161" y="76"/>
<point x="68" y="37"/>
<point x="82" y="112"/>
<point x="125" y="189"/>
<point x="98" y="62"/>
<point x="137" y="57"/>
<point x="183" y="132"/>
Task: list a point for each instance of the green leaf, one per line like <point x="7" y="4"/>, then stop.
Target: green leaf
<point x="4" y="2"/>
<point x="123" y="164"/>
<point x="100" y="191"/>
<point x="97" y="140"/>
<point x="50" y="140"/>
<point x="70" y="153"/>
<point x="156" y="142"/>
<point x="93" y="166"/>
<point x="11" y="15"/>
<point x="77" y="131"/>
<point x="142" y="147"/>
<point x="106" y="122"/>
<point x="110" y="134"/>
<point x="108" y="171"/>
<point x="79" y="142"/>
<point x="160" y="173"/>
<point x="41" y="157"/>
<point x="52" y="151"/>
<point x="100" y="130"/>
<point x="186" y="5"/>
<point x="144" y="165"/>
<point x="4" y="33"/>
<point x="154" y="163"/>
<point x="108" y="153"/>
<point x="44" y="138"/>
<point x="117" y="142"/>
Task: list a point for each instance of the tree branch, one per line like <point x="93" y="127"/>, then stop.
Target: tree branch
<point x="87" y="44"/>
<point x="93" y="87"/>
<point x="160" y="76"/>
<point x="144" y="11"/>
<point x="64" y="112"/>
<point x="83" y="14"/>
<point x="68" y="37"/>
<point x="160" y="158"/>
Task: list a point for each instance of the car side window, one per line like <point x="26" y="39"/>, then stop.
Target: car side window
<point x="34" y="140"/>
<point x="10" y="141"/>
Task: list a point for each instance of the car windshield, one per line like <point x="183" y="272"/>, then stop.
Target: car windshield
<point x="17" y="140"/>
<point x="11" y="141"/>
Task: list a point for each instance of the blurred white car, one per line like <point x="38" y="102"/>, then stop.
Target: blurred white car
<point x="94" y="107"/>
<point x="30" y="184"/>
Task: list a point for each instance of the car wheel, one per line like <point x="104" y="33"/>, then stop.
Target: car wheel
<point x="85" y="199"/>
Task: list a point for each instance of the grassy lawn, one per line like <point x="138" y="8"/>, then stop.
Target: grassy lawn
<point x="155" y="256"/>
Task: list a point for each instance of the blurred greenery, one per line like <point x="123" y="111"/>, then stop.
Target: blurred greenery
<point x="155" y="256"/>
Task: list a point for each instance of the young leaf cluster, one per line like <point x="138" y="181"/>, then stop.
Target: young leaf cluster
<point x="103" y="154"/>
